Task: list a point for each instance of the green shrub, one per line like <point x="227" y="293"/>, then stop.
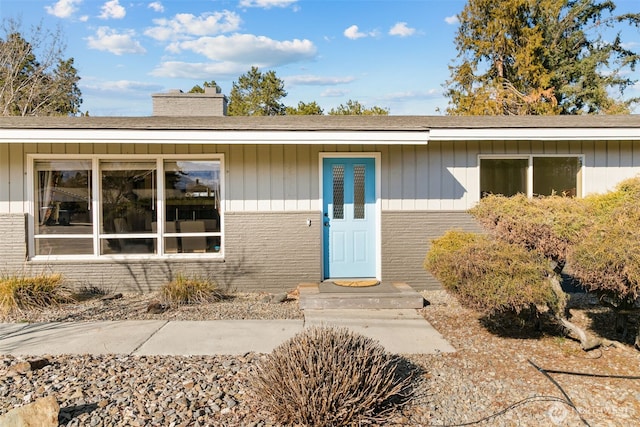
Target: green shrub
<point x="490" y="275"/>
<point x="627" y="191"/>
<point x="31" y="293"/>
<point x="607" y="259"/>
<point x="549" y="225"/>
<point x="191" y="290"/>
<point x="332" y="377"/>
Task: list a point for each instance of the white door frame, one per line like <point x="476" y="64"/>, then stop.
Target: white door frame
<point x="378" y="205"/>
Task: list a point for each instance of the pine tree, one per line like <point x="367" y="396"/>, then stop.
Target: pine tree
<point x="520" y="57"/>
<point x="257" y="94"/>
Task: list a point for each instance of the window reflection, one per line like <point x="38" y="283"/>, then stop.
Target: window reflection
<point x="63" y="197"/>
<point x="192" y="205"/>
<point x="506" y="177"/>
<point x="128" y="205"/>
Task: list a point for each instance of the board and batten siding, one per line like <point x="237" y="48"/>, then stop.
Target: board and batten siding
<point x="440" y="176"/>
<point x="272" y="190"/>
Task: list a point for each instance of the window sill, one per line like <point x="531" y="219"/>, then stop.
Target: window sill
<point x="215" y="257"/>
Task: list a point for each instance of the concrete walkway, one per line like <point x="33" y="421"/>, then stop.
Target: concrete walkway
<point x="401" y="331"/>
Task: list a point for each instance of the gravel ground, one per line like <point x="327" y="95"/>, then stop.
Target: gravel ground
<point x="489" y="381"/>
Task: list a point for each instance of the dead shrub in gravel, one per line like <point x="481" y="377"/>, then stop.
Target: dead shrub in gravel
<point x="549" y="225"/>
<point x="606" y="261"/>
<point x="191" y="290"/>
<point x="18" y="293"/>
<point x="496" y="277"/>
<point x="328" y="376"/>
<point x="88" y="292"/>
<point x="490" y="275"/>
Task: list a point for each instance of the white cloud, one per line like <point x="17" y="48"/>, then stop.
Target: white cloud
<point x="266" y="4"/>
<point x="110" y="40"/>
<point x="451" y="20"/>
<point x="121" y="86"/>
<point x="414" y="94"/>
<point x="63" y="8"/>
<point x="112" y="9"/>
<point x="186" y="24"/>
<point x="334" y="93"/>
<point x="199" y="70"/>
<point x="156" y="6"/>
<point x="353" y="33"/>
<point x="309" y="80"/>
<point x="249" y="49"/>
<point x="401" y="29"/>
<point x="234" y="55"/>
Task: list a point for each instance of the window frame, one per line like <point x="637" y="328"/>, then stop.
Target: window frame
<point x="97" y="234"/>
<point x="529" y="173"/>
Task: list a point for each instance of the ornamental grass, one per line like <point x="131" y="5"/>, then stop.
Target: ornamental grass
<point x="191" y="290"/>
<point x="19" y="293"/>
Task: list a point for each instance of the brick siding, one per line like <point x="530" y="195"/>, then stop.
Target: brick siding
<point x="406" y="239"/>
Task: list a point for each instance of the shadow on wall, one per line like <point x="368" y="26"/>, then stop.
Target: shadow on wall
<point x="148" y="276"/>
<point x="434" y="184"/>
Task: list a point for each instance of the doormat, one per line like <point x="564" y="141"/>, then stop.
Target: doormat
<point x="356" y="283"/>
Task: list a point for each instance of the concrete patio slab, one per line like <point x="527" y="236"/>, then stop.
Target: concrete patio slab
<point x="232" y="337"/>
<point x="111" y="337"/>
<point x="401" y="331"/>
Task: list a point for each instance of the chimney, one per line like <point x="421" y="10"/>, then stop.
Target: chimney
<point x="177" y="103"/>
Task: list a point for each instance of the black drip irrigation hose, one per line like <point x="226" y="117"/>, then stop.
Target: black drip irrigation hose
<point x="507" y="409"/>
<point x="567" y="400"/>
<point x="566" y="396"/>
<point x="586" y="374"/>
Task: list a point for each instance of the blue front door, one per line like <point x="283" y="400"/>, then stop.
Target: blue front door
<point x="349" y="217"/>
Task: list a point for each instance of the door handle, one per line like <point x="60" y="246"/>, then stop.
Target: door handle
<point x="326" y="223"/>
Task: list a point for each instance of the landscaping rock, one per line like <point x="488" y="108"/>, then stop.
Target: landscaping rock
<point x="41" y="413"/>
<point x="279" y="298"/>
<point x="30" y="365"/>
<point x="156" y="307"/>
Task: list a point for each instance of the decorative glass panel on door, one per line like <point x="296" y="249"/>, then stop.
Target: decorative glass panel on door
<point x="338" y="191"/>
<point x="358" y="191"/>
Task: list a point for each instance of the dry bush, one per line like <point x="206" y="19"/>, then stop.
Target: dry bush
<point x="627" y="191"/>
<point x="19" y="293"/>
<point x="490" y="275"/>
<point x="88" y="292"/>
<point x="549" y="225"/>
<point x="607" y="259"/>
<point x="332" y="377"/>
<point x="191" y="290"/>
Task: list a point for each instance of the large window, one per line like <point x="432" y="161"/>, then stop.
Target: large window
<point x="531" y="175"/>
<point x="115" y="206"/>
<point x="63" y="219"/>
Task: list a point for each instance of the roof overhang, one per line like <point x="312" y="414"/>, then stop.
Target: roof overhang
<point x="535" y="134"/>
<point x="137" y="136"/>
